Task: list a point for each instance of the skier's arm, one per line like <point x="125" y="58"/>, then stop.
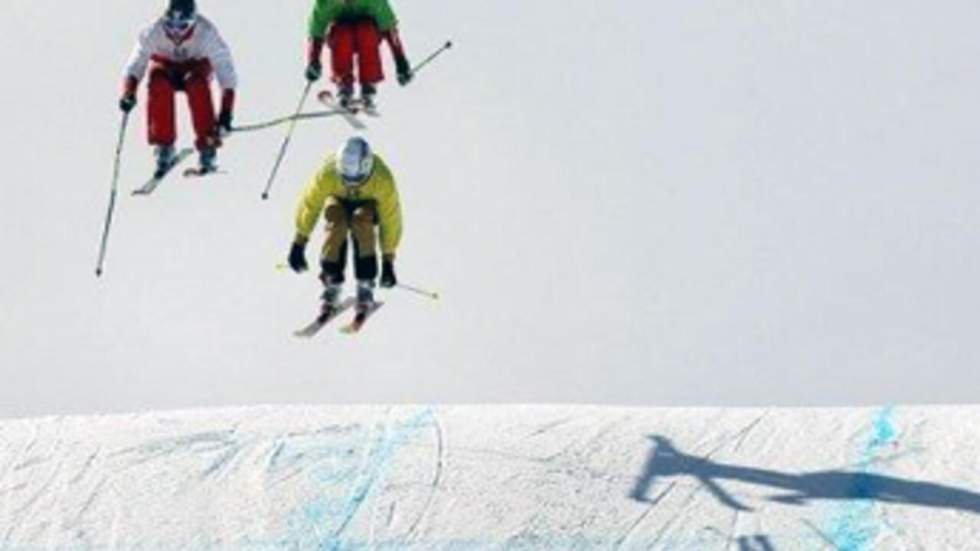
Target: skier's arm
<point x="323" y="14"/>
<point x="314" y="51"/>
<point x="402" y="65"/>
<point x="389" y="218"/>
<point x="319" y="22"/>
<point x="395" y="43"/>
<point x="219" y="54"/>
<point x="311" y="204"/>
<point x="139" y="60"/>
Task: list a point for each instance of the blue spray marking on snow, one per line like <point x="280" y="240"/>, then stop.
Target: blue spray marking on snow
<point x="321" y="523"/>
<point x="854" y="527"/>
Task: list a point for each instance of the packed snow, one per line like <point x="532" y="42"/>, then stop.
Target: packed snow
<point x="494" y="477"/>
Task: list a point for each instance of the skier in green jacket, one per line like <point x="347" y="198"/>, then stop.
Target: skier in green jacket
<point x="355" y="27"/>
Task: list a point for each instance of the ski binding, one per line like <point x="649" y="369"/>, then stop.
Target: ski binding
<point x="159" y="175"/>
<point x="316" y="325"/>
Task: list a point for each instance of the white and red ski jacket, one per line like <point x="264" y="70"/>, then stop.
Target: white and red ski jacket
<point x="204" y="42"/>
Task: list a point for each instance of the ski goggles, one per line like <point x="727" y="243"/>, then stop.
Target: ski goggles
<point x="178" y="24"/>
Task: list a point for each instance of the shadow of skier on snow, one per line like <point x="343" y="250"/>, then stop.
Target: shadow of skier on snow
<point x="667" y="461"/>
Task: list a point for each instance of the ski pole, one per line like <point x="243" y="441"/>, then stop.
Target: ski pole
<point x="280" y="120"/>
<point x="112" y="194"/>
<point x="418" y="291"/>
<point x="437" y="53"/>
<point x="285" y="143"/>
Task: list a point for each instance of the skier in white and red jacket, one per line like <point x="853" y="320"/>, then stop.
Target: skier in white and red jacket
<point x="182" y="50"/>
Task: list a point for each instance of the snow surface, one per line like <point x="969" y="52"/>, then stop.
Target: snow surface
<point x="514" y="477"/>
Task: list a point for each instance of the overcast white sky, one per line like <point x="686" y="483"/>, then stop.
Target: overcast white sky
<point x="723" y="203"/>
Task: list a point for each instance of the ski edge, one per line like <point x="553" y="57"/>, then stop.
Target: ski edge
<point x="316" y="325"/>
<point x="355" y="326"/>
<point x="149" y="187"/>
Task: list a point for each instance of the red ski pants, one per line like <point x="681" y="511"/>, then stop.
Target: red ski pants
<point x="166" y="79"/>
<point x="361" y="38"/>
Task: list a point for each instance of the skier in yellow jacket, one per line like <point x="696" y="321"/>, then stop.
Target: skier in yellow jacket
<point x="353" y="191"/>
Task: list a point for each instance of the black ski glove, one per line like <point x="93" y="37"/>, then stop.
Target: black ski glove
<point x="127" y="103"/>
<point x="224" y="121"/>
<point x="404" y="70"/>
<point x="313" y="71"/>
<point x="388" y="279"/>
<point x="297" y="257"/>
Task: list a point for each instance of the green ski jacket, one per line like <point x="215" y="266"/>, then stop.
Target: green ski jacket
<point x="326" y="12"/>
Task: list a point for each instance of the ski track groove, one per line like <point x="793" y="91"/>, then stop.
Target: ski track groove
<point x="93" y="495"/>
<point x="392" y="513"/>
<point x="214" y="470"/>
<point x="823" y="537"/>
<point x="279" y="446"/>
<point x="40" y="493"/>
<point x="31" y="462"/>
<point x="85" y="468"/>
<point x="436" y="480"/>
<point x="743" y="434"/>
<point x="547" y="427"/>
<point x="639" y="520"/>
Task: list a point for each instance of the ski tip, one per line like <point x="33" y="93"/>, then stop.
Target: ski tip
<point x="449" y="43"/>
<point x="98" y="272"/>
<point x="265" y="196"/>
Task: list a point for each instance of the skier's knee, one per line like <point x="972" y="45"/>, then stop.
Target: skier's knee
<point x="335" y="215"/>
<point x="363" y="217"/>
<point x="331" y="273"/>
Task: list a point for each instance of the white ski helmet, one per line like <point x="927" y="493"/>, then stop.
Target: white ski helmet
<point x="355" y="161"/>
<point x="179" y="19"/>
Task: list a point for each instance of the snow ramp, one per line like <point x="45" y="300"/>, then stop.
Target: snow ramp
<point x="494" y="477"/>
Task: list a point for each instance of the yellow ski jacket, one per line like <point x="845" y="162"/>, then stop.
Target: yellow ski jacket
<point x="379" y="189"/>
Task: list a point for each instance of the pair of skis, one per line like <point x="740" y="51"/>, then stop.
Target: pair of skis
<point x="161" y="173"/>
<point x="352" y="328"/>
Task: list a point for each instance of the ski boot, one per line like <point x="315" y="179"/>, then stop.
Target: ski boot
<point x="368" y="91"/>
<point x="365" y="296"/>
<point x="166" y="156"/>
<point x="345" y="95"/>
<point x="330" y="300"/>
<point x="207" y="160"/>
